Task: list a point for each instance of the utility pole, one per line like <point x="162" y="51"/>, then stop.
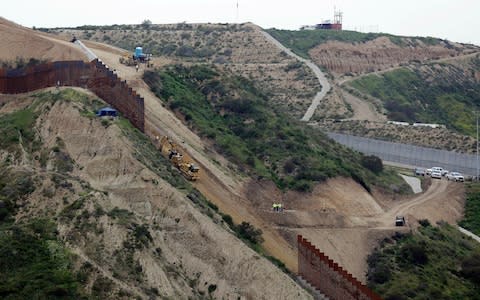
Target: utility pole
<point x="237" y="13"/>
<point x="476" y="116"/>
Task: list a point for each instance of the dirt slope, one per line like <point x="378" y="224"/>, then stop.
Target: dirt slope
<point x="381" y="53"/>
<point x="113" y="195"/>
<point x="19" y="41"/>
<point x="350" y="241"/>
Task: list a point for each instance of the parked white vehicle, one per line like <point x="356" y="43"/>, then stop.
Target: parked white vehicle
<point x="436" y="174"/>
<point x="455" y="176"/>
<point x="439" y="169"/>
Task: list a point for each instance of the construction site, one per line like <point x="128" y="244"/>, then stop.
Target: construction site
<point x="326" y="233"/>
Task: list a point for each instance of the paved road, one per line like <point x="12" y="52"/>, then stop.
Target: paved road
<point x="320" y="76"/>
<point x="470" y="234"/>
<point x="413" y="182"/>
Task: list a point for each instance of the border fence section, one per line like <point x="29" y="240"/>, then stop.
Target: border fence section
<point x="411" y="155"/>
<point x="95" y="76"/>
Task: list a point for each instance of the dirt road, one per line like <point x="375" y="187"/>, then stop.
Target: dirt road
<point x="320" y="76"/>
<point x="349" y="242"/>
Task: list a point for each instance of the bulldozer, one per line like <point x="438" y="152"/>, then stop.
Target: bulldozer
<point x="170" y="150"/>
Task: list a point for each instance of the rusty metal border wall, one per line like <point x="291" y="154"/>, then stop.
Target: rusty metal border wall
<point x="94" y="76"/>
<point x="327" y="276"/>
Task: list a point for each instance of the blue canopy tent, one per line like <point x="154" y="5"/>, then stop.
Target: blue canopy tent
<point x="107" y="111"/>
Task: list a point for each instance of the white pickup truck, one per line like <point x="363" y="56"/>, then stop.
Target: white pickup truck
<point x="438" y="169"/>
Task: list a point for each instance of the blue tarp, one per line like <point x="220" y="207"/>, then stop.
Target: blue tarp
<point x="107" y="111"/>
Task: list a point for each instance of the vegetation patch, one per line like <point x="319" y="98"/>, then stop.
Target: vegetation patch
<point x="426" y="97"/>
<point x="301" y="41"/>
<point x="250" y="131"/>
<point x="14" y="186"/>
<point x="434" y="263"/>
<point x="34" y="265"/>
<point x="16" y="131"/>
<point x="471" y="220"/>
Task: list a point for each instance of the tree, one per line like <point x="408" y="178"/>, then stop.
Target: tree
<point x="146" y="23"/>
<point x="248" y="232"/>
<point x="373" y="163"/>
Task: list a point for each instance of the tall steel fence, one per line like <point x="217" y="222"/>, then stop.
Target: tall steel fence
<point x="409" y="154"/>
<point x="95" y="76"/>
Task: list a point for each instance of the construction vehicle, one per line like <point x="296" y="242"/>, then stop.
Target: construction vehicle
<point x="137" y="57"/>
<point x="170" y="150"/>
<point x="400" y="221"/>
<point x="127" y="60"/>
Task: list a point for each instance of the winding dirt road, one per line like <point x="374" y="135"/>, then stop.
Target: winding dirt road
<point x="316" y="70"/>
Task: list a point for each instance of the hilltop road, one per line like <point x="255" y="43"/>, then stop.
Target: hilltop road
<point x="320" y="76"/>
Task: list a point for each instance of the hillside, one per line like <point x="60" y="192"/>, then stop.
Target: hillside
<point x="443" y="93"/>
<point x="249" y="131"/>
<point x="252" y="152"/>
<point x="433" y="263"/>
<point x="350" y="52"/>
<point x="380" y="77"/>
<point x="239" y="48"/>
<point x="95" y="193"/>
<point x="19" y="42"/>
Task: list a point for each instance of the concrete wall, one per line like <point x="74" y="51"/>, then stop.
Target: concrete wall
<point x="411" y="155"/>
<point x="94" y="76"/>
<point x="327" y="276"/>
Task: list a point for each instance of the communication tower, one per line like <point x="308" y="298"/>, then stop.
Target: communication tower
<point x="337" y="16"/>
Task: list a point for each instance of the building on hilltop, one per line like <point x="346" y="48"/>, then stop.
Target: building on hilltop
<point x="328" y="24"/>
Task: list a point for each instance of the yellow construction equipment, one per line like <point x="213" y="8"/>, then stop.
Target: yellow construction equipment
<point x="127" y="60"/>
<point x="170" y="150"/>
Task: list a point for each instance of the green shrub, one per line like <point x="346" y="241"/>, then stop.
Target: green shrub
<point x="41" y="268"/>
<point x="248" y="232"/>
<point x="471" y="219"/>
<point x="414" y="253"/>
<point x="373" y="163"/>
<point x="424" y="222"/>
<point x="433" y="263"/>
<point x="471" y="268"/>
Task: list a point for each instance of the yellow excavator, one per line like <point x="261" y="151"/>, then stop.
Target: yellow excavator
<point x="170" y="150"/>
<point x="127" y="60"/>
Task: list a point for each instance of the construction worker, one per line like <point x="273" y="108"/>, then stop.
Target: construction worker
<point x="136" y="67"/>
<point x="274" y="206"/>
<point x="280" y="208"/>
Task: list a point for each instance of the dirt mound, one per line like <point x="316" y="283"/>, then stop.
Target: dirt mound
<point x="379" y="54"/>
<point x="22" y="42"/>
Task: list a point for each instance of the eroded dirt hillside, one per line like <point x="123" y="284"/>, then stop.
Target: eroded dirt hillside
<point x="136" y="227"/>
<point x="380" y="53"/>
<point x="22" y="42"/>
